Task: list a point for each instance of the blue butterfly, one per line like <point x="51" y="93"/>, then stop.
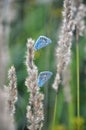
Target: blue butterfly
<point x="43" y="77"/>
<point x="41" y="42"/>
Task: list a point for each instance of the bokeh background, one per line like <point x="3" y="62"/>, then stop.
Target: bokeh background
<point x="23" y="19"/>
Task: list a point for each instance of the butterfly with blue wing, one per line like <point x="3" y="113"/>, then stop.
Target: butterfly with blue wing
<point x="41" y="42"/>
<point x="44" y="77"/>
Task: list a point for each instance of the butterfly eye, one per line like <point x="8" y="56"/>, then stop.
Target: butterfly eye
<point x="44" y="77"/>
<point x="41" y="42"/>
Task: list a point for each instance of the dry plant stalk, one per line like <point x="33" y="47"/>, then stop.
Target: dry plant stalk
<point x="80" y="13"/>
<point x="35" y="115"/>
<point x="12" y="91"/>
<point x="63" y="51"/>
<point x="66" y="84"/>
<point x="5" y="119"/>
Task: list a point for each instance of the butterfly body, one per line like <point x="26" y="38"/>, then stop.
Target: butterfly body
<point x="44" y="77"/>
<point x="41" y="42"/>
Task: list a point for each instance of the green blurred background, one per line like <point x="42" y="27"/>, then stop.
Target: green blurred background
<point x="43" y="17"/>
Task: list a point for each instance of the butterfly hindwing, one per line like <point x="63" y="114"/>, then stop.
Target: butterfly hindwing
<point x="43" y="77"/>
<point x="41" y="42"/>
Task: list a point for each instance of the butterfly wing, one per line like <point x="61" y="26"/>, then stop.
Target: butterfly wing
<point x="44" y="77"/>
<point x="41" y="42"/>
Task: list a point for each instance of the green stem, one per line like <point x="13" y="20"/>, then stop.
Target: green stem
<point x="71" y="114"/>
<point x="54" y="115"/>
<point x="77" y="69"/>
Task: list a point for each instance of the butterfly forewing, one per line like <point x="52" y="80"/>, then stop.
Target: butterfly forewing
<point x="43" y="77"/>
<point x="41" y="42"/>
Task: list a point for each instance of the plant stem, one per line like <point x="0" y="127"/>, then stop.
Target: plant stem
<point x="54" y="115"/>
<point x="71" y="114"/>
<point x="77" y="69"/>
